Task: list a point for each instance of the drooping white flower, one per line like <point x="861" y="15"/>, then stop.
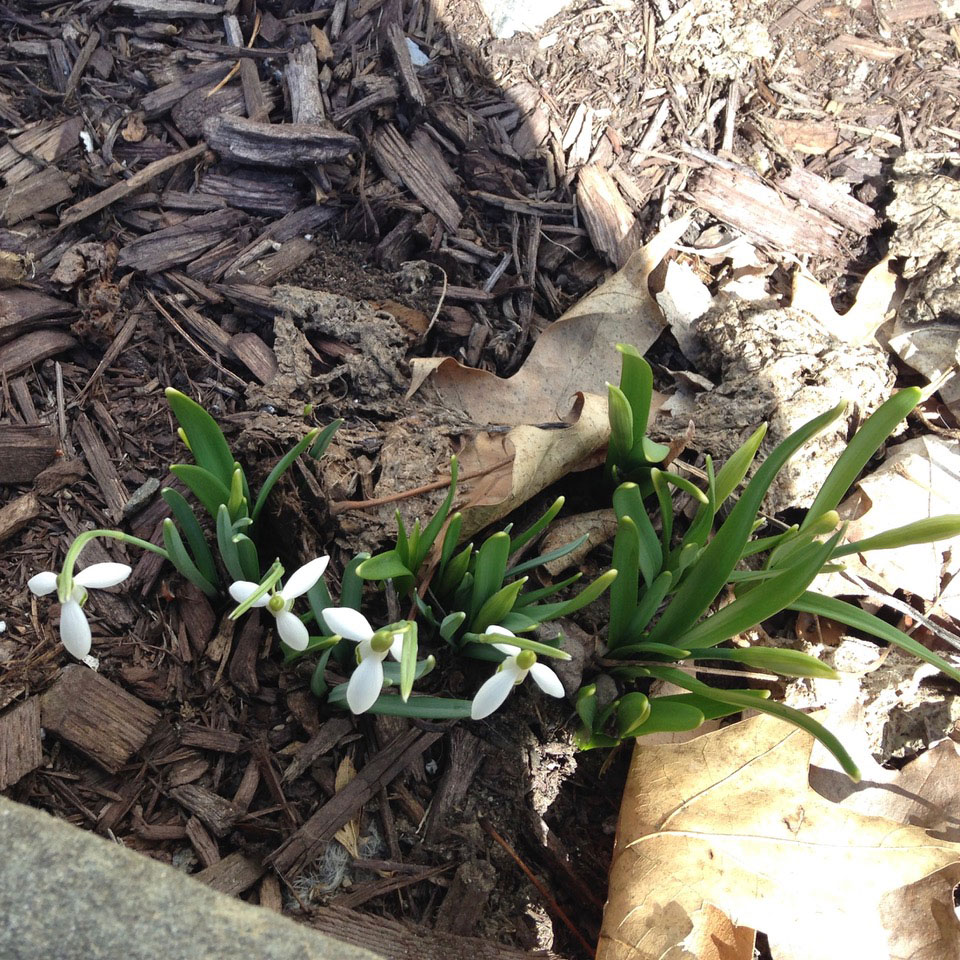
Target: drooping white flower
<point x="280" y="602"/>
<point x="74" y="628"/>
<point x="373" y="646"/>
<point x="512" y="671"/>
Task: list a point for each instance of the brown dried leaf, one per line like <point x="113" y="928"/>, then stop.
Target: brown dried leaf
<point x="729" y="819"/>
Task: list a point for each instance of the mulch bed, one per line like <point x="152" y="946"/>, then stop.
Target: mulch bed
<point x="166" y="164"/>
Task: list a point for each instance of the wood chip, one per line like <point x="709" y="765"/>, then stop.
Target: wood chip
<point x="216" y="812"/>
<point x="763" y="214"/>
<point x="15" y="515"/>
<point x="608" y="218"/>
<point x="380" y="770"/>
<point x="40" y="146"/>
<point x="403" y="165"/>
<point x="179" y="244"/>
<point x="86" y="208"/>
<point x="171" y="9"/>
<point x="21" y="747"/>
<point x="31" y="348"/>
<point x="101" y="466"/>
<point x="100" y="719"/>
<point x="404" y="64"/>
<point x="208" y="738"/>
<point x="25" y="451"/>
<point x="203" y="844"/>
<point x="38" y="192"/>
<point x="232" y="875"/>
<point x="276" y="144"/>
<point x="25" y="310"/>
<point x="831" y="199"/>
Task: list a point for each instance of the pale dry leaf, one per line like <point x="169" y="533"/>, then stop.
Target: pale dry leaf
<point x="715" y="937"/>
<point x="349" y="833"/>
<point x="919" y="479"/>
<point x="555" y="407"/>
<point x="729" y="819"/>
<point x="859" y="324"/>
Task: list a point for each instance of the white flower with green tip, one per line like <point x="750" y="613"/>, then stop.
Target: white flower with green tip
<point x="513" y="671"/>
<point x="373" y="647"/>
<point x="280" y="602"/>
<point x="74" y="627"/>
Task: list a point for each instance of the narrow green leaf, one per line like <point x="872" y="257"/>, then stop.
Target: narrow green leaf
<point x="351" y="587"/>
<point x="524" y="643"/>
<point x="283" y="465"/>
<point x="455" y="572"/>
<point x="621" y="425"/>
<point x="545" y="558"/>
<point x="384" y="566"/>
<point x="402" y="548"/>
<point x="497" y="607"/>
<point x="720" y="556"/>
<point x="681" y="483"/>
<point x="736" y="467"/>
<point x="229" y="553"/>
<point x="535" y="596"/>
<point x="197" y="541"/>
<point x="247" y="553"/>
<point x="434" y="527"/>
<point x="538" y="527"/>
<point x="553" y="611"/>
<point x="652" y="451"/>
<point x="319" y="597"/>
<point x="768" y="543"/>
<point x="235" y="500"/>
<point x="669" y="716"/>
<point x="766" y="599"/>
<point x="204" y="486"/>
<point x="393" y="672"/>
<point x="787" y="663"/>
<point x="852" y="616"/>
<point x="928" y="530"/>
<point x="702" y="524"/>
<point x="426" y="708"/>
<point x="796" y="546"/>
<point x="775" y="709"/>
<point x="865" y="443"/>
<point x="586" y="705"/>
<point x="636" y="382"/>
<point x="205" y="438"/>
<point x="663" y="649"/>
<point x="490" y="570"/>
<point x="318" y="683"/>
<point x="662" y="490"/>
<point x="632" y="713"/>
<point x="710" y="708"/>
<point x="450" y="624"/>
<point x="408" y="660"/>
<point x="518" y="622"/>
<point x="649" y="604"/>
<point x="181" y="559"/>
<point x="450" y="539"/>
<point x="323" y="439"/>
<point x="625" y="589"/>
<point x="628" y="502"/>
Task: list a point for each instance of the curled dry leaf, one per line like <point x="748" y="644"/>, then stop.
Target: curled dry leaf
<point x="552" y="415"/>
<point x="730" y="820"/>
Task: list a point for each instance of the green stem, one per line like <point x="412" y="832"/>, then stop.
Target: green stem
<point x="269" y="581"/>
<point x="65" y="580"/>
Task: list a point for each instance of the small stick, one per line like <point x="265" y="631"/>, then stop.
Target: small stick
<point x="551" y="903"/>
<point x="340" y="506"/>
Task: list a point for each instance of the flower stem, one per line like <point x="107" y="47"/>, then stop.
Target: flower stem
<point x="65" y="580"/>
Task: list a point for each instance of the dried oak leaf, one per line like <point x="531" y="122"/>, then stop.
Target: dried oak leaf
<point x="729" y="820"/>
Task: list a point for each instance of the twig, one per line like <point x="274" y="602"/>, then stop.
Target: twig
<point x="340" y="506"/>
<point x="551" y="903"/>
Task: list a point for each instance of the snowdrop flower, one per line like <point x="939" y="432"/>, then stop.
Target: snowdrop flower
<point x="74" y="628"/>
<point x="511" y="672"/>
<point x="366" y="682"/>
<point x="279" y="602"/>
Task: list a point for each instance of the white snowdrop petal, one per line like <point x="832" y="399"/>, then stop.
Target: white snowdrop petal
<point x="303" y="578"/>
<point x="546" y="680"/>
<point x="508" y="648"/>
<point x="502" y="631"/>
<point x="74" y="629"/>
<point x="43" y="583"/>
<point x="492" y="693"/>
<point x="348" y="623"/>
<point x="98" y="576"/>
<point x="292" y="631"/>
<point x="396" y="648"/>
<point x="242" y="589"/>
<point x="365" y="685"/>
